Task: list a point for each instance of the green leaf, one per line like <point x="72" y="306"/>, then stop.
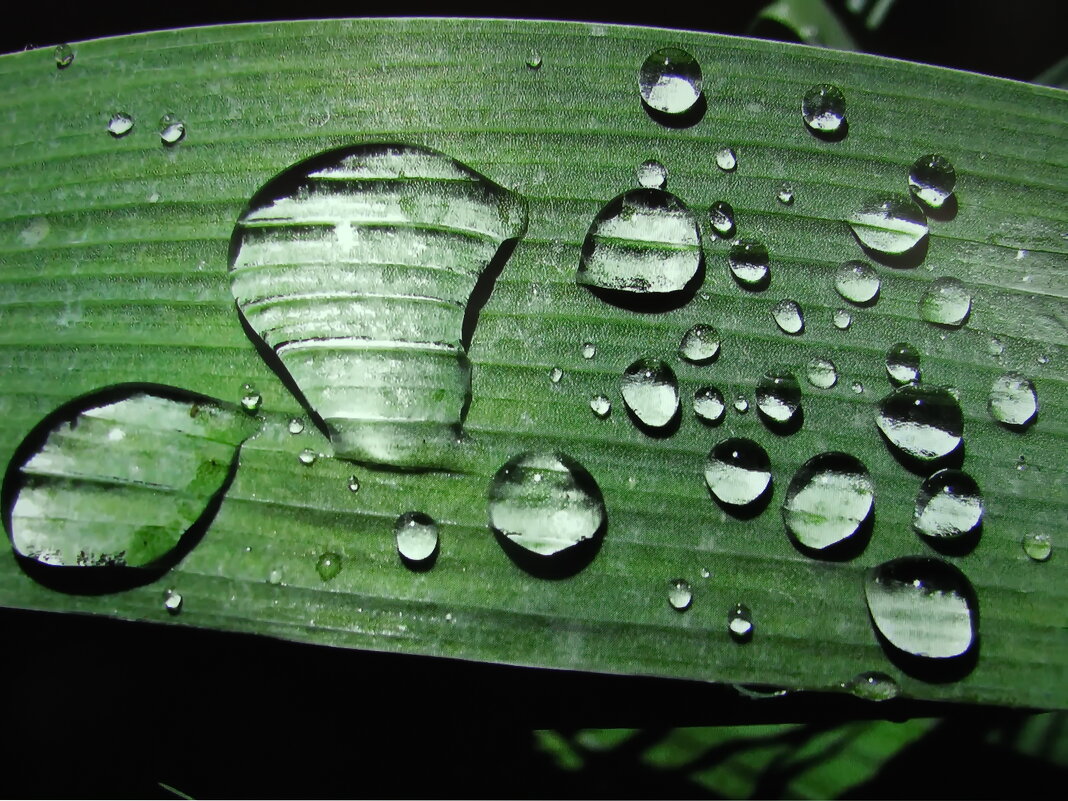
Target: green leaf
<point x="114" y="269"/>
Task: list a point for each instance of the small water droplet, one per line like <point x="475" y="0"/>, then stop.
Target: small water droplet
<point x="822" y="373"/>
<point x="680" y="594"/>
<point x="651" y="392"/>
<point x="705" y="573"/>
<point x="842" y="319"/>
<point x="328" y="566"/>
<point x="995" y="347"/>
<point x="740" y="622"/>
<point x="251" y="399"/>
<point x="274" y="577"/>
<point x="829" y="498"/>
<point x="171" y="129"/>
<point x="903" y="363"/>
<point x="1038" y="547"/>
<point x="1043" y="359"/>
<point x="823" y="108"/>
<point x="738" y="471"/>
<point x="948" y="506"/>
<point x="726" y="159"/>
<point x="601" y="406"/>
<point x="749" y="263"/>
<point x="932" y="179"/>
<point x="788" y="316"/>
<point x="700" y="344"/>
<point x="354" y="484"/>
<point x="555" y="375"/>
<point x="857" y="387"/>
<point x="417" y="537"/>
<point x="652" y="174"/>
<point x="785" y="195"/>
<point x="721" y="218"/>
<point x="891" y="225"/>
<point x="857" y="281"/>
<point x="946" y="302"/>
<point x="873" y="686"/>
<point x="922" y="606"/>
<point x="172" y="601"/>
<point x="307" y="456"/>
<point x="670" y="81"/>
<point x="296" y="425"/>
<point x="120" y="124"/>
<point x="64" y="56"/>
<point x="778" y="395"/>
<point x="589" y="350"/>
<point x="1013" y="400"/>
<point x="534" y="60"/>
<point x="923" y="422"/>
<point x="741" y="404"/>
<point x="708" y="405"/>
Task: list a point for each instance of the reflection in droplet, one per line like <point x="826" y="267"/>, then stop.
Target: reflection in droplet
<point x="601" y="406"/>
<point x="822" y="373"/>
<point x="788" y="316"/>
<point x="652" y="174"/>
<point x="700" y="344"/>
<point x="417" y="536"/>
<point x="903" y="363"/>
<point x="708" y="405"/>
<point x="749" y="263"/>
<point x="857" y="281"/>
<point x="891" y="225"/>
<point x="726" y="159"/>
<point x="946" y="302"/>
<point x="670" y="81"/>
<point x="949" y="505"/>
<point x="823" y="108"/>
<point x="932" y="179"/>
<point x="923" y="422"/>
<point x="721" y="218"/>
<point x="740" y="622"/>
<point x="1013" y="400"/>
<point x="120" y="124"/>
<point x="778" y="395"/>
<point x="1038" y="546"/>
<point x="680" y="594"/>
<point x="873" y="686"/>
<point x="738" y="471"/>
<point x="328" y="565"/>
<point x="828" y="499"/>
<point x="651" y="392"/>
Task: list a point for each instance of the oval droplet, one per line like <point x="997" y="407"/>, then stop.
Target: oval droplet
<point x="307" y="457"/>
<point x="545" y="503"/>
<point x="922" y="606"/>
<point x="296" y="426"/>
<point x="948" y="506"/>
<point x="601" y="406"/>
<point x="903" y="364"/>
<point x="64" y="56"/>
<point x="670" y="81"/>
<point x="749" y="264"/>
<point x="1013" y="400"/>
<point x="823" y="109"/>
<point x="708" y="405"/>
<point x="680" y="594"/>
<point x="251" y="399"/>
<point x="740" y="623"/>
<point x="931" y="179"/>
<point x="652" y="174"/>
<point x="120" y="124"/>
<point x="822" y="373"/>
<point x="738" y="471"/>
<point x="555" y="375"/>
<point x="857" y="281"/>
<point x="417" y="537"/>
<point x="857" y="387"/>
<point x="924" y="422"/>
<point x="778" y="395"/>
<point x="785" y="195"/>
<point x="721" y="218"/>
<point x="700" y="345"/>
<point x="726" y="159"/>
<point x="534" y="60"/>
<point x="828" y="500"/>
<point x="788" y="316"/>
<point x="172" y="601"/>
<point x="651" y="392"/>
<point x="891" y="225"/>
<point x="328" y="565"/>
<point x="946" y="302"/>
<point x="1037" y="546"/>
<point x="741" y="404"/>
<point x="873" y="686"/>
<point x="842" y="319"/>
<point x="171" y="129"/>
<point x="589" y="350"/>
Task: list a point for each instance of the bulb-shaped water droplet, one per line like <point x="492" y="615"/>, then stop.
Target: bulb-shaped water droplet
<point x="829" y="498"/>
<point x="873" y="686"/>
<point x="1038" y="546"/>
<point x="171" y="129"/>
<point x="651" y="392"/>
<point x="785" y="194"/>
<point x="778" y="395"/>
<point x="652" y="174"/>
<point x="738" y="471"/>
<point x="680" y="594"/>
<point x="172" y="601"/>
<point x="726" y="159"/>
<point x="923" y="422"/>
<point x="328" y="565"/>
<point x="670" y="81"/>
<point x="120" y="124"/>
<point x="589" y="350"/>
<point x="822" y="373"/>
<point x="788" y="316"/>
<point x="949" y="505"/>
<point x="891" y="225"/>
<point x="823" y="109"/>
<point x="749" y="264"/>
<point x="708" y="405"/>
<point x="842" y="319"/>
<point x="740" y="623"/>
<point x="700" y="345"/>
<point x="857" y="281"/>
<point x="721" y="218"/>
<point x="903" y="364"/>
<point x="932" y="179"/>
<point x="64" y="56"/>
<point x="946" y="302"/>
<point x="417" y="537"/>
<point x="1013" y="400"/>
<point x="601" y="406"/>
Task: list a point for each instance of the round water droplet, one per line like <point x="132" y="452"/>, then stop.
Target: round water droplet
<point x="738" y="471"/>
<point x="932" y="179"/>
<point x="1038" y="547"/>
<point x="788" y="316"/>
<point x="785" y="195"/>
<point x="995" y="347"/>
<point x="171" y="129"/>
<point x="251" y="399"/>
<point x="949" y="505"/>
<point x="354" y="484"/>
<point x="601" y="406"/>
<point x="589" y="350"/>
<point x="741" y="404"/>
<point x="946" y="302"/>
<point x="417" y="537"/>
<point x="670" y="81"/>
<point x="842" y="319"/>
<point x="778" y="395"/>
<point x="721" y="218"/>
<point x="680" y="594"/>
<point x="829" y="498"/>
<point x="1013" y="400"/>
<point x="307" y="456"/>
<point x="545" y="503"/>
<point x="700" y="344"/>
<point x="857" y="282"/>
<point x="120" y="124"/>
<point x="708" y="405"/>
<point x="64" y="56"/>
<point x="555" y="375"/>
<point x="534" y="60"/>
<point x="274" y="577"/>
<point x="823" y="108"/>
<point x="857" y="387"/>
<point x="651" y="392"/>
<point x="891" y="225"/>
<point x="923" y="422"/>
<point x="740" y="622"/>
<point x="726" y="159"/>
<point x="172" y="601"/>
<point x="749" y="263"/>
<point x="922" y="606"/>
<point x="296" y="425"/>
<point x="903" y="363"/>
<point x="652" y="174"/>
<point x="328" y="566"/>
<point x="873" y="686"/>
<point x="822" y="373"/>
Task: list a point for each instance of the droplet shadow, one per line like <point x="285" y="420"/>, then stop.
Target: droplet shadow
<point x="652" y="302"/>
<point x="687" y="119"/>
<point x="944" y="213"/>
<point x="908" y="260"/>
<point x="657" y="432"/>
<point x="783" y="428"/>
<point x="844" y="551"/>
<point x="480" y="295"/>
<point x="837" y="135"/>
<point x="561" y="565"/>
<point x="747" y="511"/>
<point x="933" y="671"/>
<point x="955" y="546"/>
<point x="921" y="467"/>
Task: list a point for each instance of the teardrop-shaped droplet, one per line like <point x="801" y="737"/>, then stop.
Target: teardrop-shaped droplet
<point x="721" y="218"/>
<point x="601" y="406"/>
<point x="738" y="471"/>
<point x="829" y="498"/>
<point x="64" y="56"/>
<point x="778" y="395"/>
<point x="651" y="392"/>
<point x="923" y="422"/>
<point x="1013" y="400"/>
<point x="842" y="319"/>
<point x="417" y="537"/>
<point x="328" y="565"/>
<point x="749" y="263"/>
<point x="892" y="225"/>
<point x="903" y="363"/>
<point x="873" y="686"/>
<point x="120" y="124"/>
<point x="726" y="159"/>
<point x="652" y="174"/>
<point x="708" y="405"/>
<point x="922" y="606"/>
<point x="171" y="129"/>
<point x="680" y="594"/>
<point x="785" y="194"/>
<point x="857" y="282"/>
<point x="932" y="179"/>
<point x="740" y="622"/>
<point x="822" y="373"/>
<point x="700" y="344"/>
<point x="1038" y="546"/>
<point x="545" y="503"/>
<point x="788" y="316"/>
<point x="823" y="108"/>
<point x="353" y="484"/>
<point x="356" y="267"/>
<point x="946" y="302"/>
<point x="670" y="81"/>
<point x="949" y="505"/>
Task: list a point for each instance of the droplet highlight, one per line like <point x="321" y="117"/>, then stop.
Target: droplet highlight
<point x="651" y="392"/>
<point x="892" y="225"/>
<point x="738" y="471"/>
<point x="829" y="498"/>
<point x="823" y="108"/>
<point x="857" y="281"/>
<point x="1013" y="400"/>
<point x="948" y="506"/>
<point x="923" y="422"/>
<point x="946" y="302"/>
<point x="417" y="537"/>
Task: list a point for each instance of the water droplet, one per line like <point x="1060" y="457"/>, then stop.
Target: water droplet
<point x="922" y="606"/>
<point x="670" y="81"/>
<point x="354" y="484"/>
<point x="534" y="60"/>
<point x="726" y="159"/>
<point x="823" y="108"/>
<point x="857" y="282"/>
<point x="172" y="601"/>
<point x="589" y="350"/>
<point x="741" y="404"/>
<point x="829" y="498"/>
<point x="708" y="404"/>
<point x="949" y="505"/>
<point x="545" y="503"/>
<point x="307" y="456"/>
<point x="924" y="422"/>
<point x="328" y="566"/>
<point x="932" y="179"/>
<point x="738" y="471"/>
<point x="788" y="316"/>
<point x="64" y="56"/>
<point x="785" y="195"/>
<point x="995" y="347"/>
<point x="417" y="537"/>
<point x="749" y="263"/>
<point x="275" y="577"/>
<point x="120" y="124"/>
<point x="740" y="622"/>
<point x="601" y="406"/>
<point x="892" y="225"/>
<point x="705" y="573"/>
<point x="721" y="218"/>
<point x="873" y="686"/>
<point x="778" y="395"/>
<point x="1043" y="359"/>
<point x="555" y="375"/>
<point x="652" y="174"/>
<point x="251" y="399"/>
<point x="171" y="129"/>
<point x="857" y="387"/>
<point x="651" y="392"/>
<point x="645" y="241"/>
<point x="296" y="425"/>
<point x="1013" y="400"/>
<point x="700" y="344"/>
<point x="1038" y="546"/>
<point x="903" y="363"/>
<point x="680" y="594"/>
<point x="822" y="373"/>
<point x="946" y="302"/>
<point x="842" y="319"/>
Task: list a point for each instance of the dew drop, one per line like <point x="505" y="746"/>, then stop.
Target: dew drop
<point x="705" y="573"/>
<point x="857" y="282"/>
<point x="601" y="406"/>
<point x="545" y="503"/>
<point x="274" y="577"/>
<point x="923" y="422"/>
<point x="903" y="364"/>
<point x="651" y="392"/>
<point x="857" y="387"/>
<point x="417" y="537"/>
<point x="296" y="425"/>
<point x="946" y="302"/>
<point x="995" y="347"/>
<point x="670" y="81"/>
<point x="891" y="225"/>
<point x="842" y="319"/>
<point x="700" y="345"/>
<point x="171" y="129"/>
<point x="354" y="484"/>
<point x="741" y="404"/>
<point x="829" y="498"/>
<point x="652" y="174"/>
<point x="778" y="395"/>
<point x="749" y="263"/>
<point x="822" y="373"/>
<point x="922" y="606"/>
<point x="534" y="60"/>
<point x="740" y="623"/>
<point x="931" y="179"/>
<point x="726" y="159"/>
<point x="788" y="316"/>
<point x="721" y="218"/>
<point x="307" y="457"/>
<point x="873" y="686"/>
<point x="823" y="108"/>
<point x="251" y="399"/>
<point x="1038" y="547"/>
<point x="948" y="506"/>
<point x="172" y="601"/>
<point x="680" y="594"/>
<point x="328" y="566"/>
<point x="785" y="195"/>
<point x="589" y="350"/>
<point x="738" y="471"/>
<point x="1013" y="400"/>
<point x="120" y="124"/>
<point x="64" y="56"/>
<point x="555" y="375"/>
<point x="708" y="405"/>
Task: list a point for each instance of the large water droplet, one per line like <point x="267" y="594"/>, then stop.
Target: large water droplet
<point x="778" y="395"/>
<point x="545" y="503"/>
<point x="829" y="498"/>
<point x="740" y="622"/>
<point x="922" y="606"/>
<point x="788" y="316"/>
<point x="171" y="129"/>
<point x="651" y="392"/>
<point x="328" y="565"/>
<point x="357" y="268"/>
<point x="738" y="471"/>
<point x="652" y="174"/>
<point x="1037" y="546"/>
<point x="670" y="81"/>
<point x="64" y="56"/>
<point x="700" y="344"/>
<point x="949" y="505"/>
<point x="417" y="537"/>
<point x="946" y="302"/>
<point x="822" y="373"/>
<point x="932" y="179"/>
<point x="873" y="686"/>
<point x="903" y="363"/>
<point x="120" y="124"/>
<point x="721" y="218"/>
<point x="726" y="159"/>
<point x="1013" y="400"/>
<point x="749" y="264"/>
<point x="708" y="405"/>
<point x="892" y="225"/>
<point x="857" y="282"/>
<point x="823" y="108"/>
<point x="924" y="422"/>
<point x="680" y="594"/>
